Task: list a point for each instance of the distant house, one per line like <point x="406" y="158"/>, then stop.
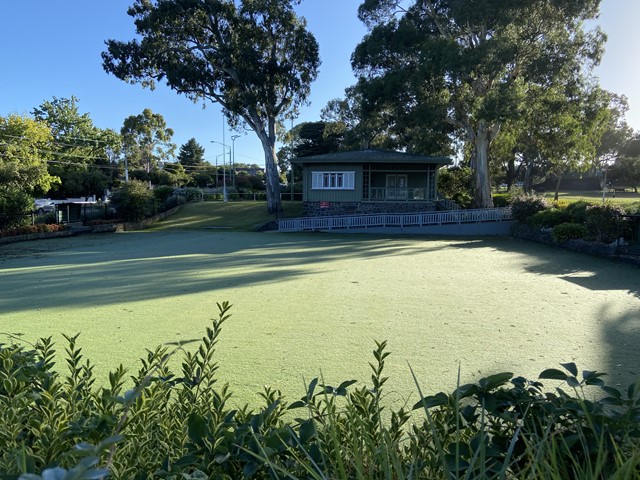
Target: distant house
<point x="369" y="181"/>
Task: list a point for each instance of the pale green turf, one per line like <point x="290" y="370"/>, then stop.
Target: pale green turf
<point x="240" y="216"/>
<point x="305" y="303"/>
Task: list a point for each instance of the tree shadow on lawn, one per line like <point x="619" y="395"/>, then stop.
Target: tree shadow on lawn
<point x="620" y="333"/>
<point x="591" y="272"/>
<point x="102" y="270"/>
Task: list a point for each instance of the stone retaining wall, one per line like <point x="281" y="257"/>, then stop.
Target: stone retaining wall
<point x="336" y="209"/>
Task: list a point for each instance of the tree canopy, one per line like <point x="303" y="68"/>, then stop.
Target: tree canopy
<point x="147" y="141"/>
<point x="85" y="155"/>
<point x="25" y="148"/>
<point x="474" y="64"/>
<point x="254" y="57"/>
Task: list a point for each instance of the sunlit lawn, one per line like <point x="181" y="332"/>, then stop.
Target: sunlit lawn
<point x="618" y="198"/>
<point x="312" y="303"/>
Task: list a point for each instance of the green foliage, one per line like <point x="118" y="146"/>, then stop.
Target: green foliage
<point x="85" y="153"/>
<point x="549" y="218"/>
<point x="461" y="63"/>
<point x="147" y="140"/>
<point x="255" y="58"/>
<point x="603" y="222"/>
<point x="564" y="232"/>
<point x="191" y="154"/>
<point x="133" y="201"/>
<point x="23" y="158"/>
<point x="456" y="183"/>
<point x="162" y="193"/>
<point x="57" y="423"/>
<point x="525" y="206"/>
<point x="577" y="211"/>
<point x="14" y="204"/>
<point x="501" y="200"/>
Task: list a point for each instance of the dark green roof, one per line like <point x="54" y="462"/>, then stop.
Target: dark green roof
<point x="371" y="156"/>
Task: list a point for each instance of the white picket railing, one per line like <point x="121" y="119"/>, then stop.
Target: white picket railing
<point x="394" y="220"/>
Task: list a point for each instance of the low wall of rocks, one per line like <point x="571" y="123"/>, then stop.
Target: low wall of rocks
<point x="336" y="209"/>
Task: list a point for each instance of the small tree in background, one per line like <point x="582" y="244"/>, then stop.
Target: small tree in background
<point x="133" y="201"/>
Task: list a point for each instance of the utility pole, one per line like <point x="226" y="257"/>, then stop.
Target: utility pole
<point x="233" y="168"/>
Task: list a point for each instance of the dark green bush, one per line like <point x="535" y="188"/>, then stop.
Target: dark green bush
<point x="525" y="206"/>
<point x="548" y="218"/>
<point x="133" y="201"/>
<point x="193" y="194"/>
<point x="163" y="192"/>
<point x="175" y="201"/>
<point x="568" y="231"/>
<point x="501" y="200"/>
<point x="603" y="222"/>
<point x="577" y="211"/>
<point x="15" y="204"/>
<point x="179" y="424"/>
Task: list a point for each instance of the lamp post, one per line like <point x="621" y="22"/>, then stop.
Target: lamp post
<point x="224" y="172"/>
<point x="233" y="168"/>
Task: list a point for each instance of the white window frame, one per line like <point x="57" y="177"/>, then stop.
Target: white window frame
<point x="333" y="180"/>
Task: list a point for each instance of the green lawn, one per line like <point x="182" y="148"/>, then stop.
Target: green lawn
<point x="306" y="304"/>
<point x="241" y="216"/>
<point x="623" y="199"/>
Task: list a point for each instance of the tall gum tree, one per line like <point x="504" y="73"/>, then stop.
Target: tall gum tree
<point x="473" y="60"/>
<point x="253" y="57"/>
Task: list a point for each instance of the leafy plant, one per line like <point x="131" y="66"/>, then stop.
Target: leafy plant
<point x="525" y="206"/>
<point x="133" y="201"/>
<point x="548" y="218"/>
<point x="568" y="231"/>
<point x="603" y="222"/>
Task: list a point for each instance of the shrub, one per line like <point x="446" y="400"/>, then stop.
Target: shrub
<point x="501" y="200"/>
<point x="133" y="201"/>
<point x="193" y="194"/>
<point x="162" y="192"/>
<point x="577" y="211"/>
<point x="525" y="206"/>
<point x="548" y="218"/>
<point x="175" y="201"/>
<point x="568" y="231"/>
<point x="15" y="205"/>
<point x="179" y="424"/>
<point x="603" y="222"/>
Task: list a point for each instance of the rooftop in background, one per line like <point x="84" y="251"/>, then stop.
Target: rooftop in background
<point x="371" y="156"/>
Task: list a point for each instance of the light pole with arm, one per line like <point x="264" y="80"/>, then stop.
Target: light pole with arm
<point x="224" y="173"/>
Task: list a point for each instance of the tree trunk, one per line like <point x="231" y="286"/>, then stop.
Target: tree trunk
<point x="272" y="178"/>
<point x="557" y="192"/>
<point x="482" y="197"/>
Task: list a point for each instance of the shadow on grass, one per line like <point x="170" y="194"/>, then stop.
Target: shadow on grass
<point x="101" y="270"/>
<point x="620" y="332"/>
<point x="593" y="273"/>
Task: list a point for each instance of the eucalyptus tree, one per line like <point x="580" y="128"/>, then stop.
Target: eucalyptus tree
<point x="469" y="63"/>
<point x="253" y="57"/>
<point x="147" y="141"/>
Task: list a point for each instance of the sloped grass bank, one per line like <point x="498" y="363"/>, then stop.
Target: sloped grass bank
<point x="240" y="216"/>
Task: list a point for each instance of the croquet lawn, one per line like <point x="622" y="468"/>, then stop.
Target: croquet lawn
<point x="306" y="305"/>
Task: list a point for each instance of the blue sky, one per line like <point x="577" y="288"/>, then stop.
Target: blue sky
<point x="53" y="49"/>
